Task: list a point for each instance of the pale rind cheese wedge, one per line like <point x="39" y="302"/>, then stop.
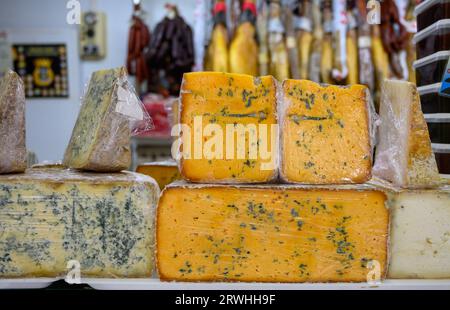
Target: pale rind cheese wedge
<point x="13" y="153"/>
<point x="404" y="155"/>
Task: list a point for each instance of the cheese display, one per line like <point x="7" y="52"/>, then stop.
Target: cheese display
<point x="277" y="233"/>
<point x="101" y="137"/>
<point x="164" y="172"/>
<point x="404" y="155"/>
<point x="229" y="132"/>
<point x="326" y="133"/>
<point x="420" y="234"/>
<point x="13" y="153"/>
<point x="49" y="217"/>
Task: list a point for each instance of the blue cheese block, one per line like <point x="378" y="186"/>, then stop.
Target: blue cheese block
<point x="13" y="153"/>
<point x="49" y="217"/>
<point x="420" y="234"/>
<point x="101" y="137"/>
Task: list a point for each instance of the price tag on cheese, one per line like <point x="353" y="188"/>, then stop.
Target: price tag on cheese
<point x="445" y="84"/>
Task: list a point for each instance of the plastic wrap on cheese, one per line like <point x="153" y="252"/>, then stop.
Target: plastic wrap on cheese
<point x="228" y="128"/>
<point x="13" y="153"/>
<point x="272" y="233"/>
<point x="404" y="155"/>
<point x="327" y="133"/>
<point x="110" y="114"/>
<point x="52" y="217"/>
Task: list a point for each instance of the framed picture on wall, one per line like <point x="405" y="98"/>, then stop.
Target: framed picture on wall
<point x="43" y="68"/>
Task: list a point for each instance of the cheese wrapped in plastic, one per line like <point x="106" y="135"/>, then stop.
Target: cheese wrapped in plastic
<point x="404" y="155"/>
<point x="50" y="217"/>
<point x="327" y="133"/>
<point x="271" y="233"/>
<point x="228" y="128"/>
<point x="111" y="112"/>
<point x="13" y="153"/>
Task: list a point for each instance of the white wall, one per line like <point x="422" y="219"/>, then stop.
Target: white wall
<point x="50" y="121"/>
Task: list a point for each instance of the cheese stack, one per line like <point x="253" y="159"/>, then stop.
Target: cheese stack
<point x="51" y="216"/>
<point x="273" y="232"/>
<point x="420" y="203"/>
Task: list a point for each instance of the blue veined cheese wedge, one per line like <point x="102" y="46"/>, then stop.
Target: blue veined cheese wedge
<point x="101" y="137"/>
<point x="420" y="234"/>
<point x="49" y="217"/>
<point x="13" y="153"/>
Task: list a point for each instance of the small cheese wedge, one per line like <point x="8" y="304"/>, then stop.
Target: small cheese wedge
<point x="49" y="217"/>
<point x="13" y="153"/>
<point x="274" y="233"/>
<point x="420" y="234"/>
<point x="326" y="133"/>
<point x="164" y="172"/>
<point x="404" y="155"/>
<point x="239" y="113"/>
<point x="101" y="137"/>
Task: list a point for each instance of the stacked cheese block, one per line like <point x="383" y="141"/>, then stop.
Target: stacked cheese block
<point x="325" y="226"/>
<point x="92" y="213"/>
<point x="420" y="200"/>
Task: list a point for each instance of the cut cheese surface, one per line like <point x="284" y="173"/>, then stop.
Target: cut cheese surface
<point x="270" y="233"/>
<point x="163" y="172"/>
<point x="420" y="235"/>
<point x="404" y="155"/>
<point x="49" y="217"/>
<point x="325" y="133"/>
<point x="101" y="137"/>
<point x="245" y="105"/>
<point x="13" y="153"/>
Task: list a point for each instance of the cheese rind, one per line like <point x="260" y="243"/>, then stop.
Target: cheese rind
<point x="404" y="155"/>
<point x="230" y="100"/>
<point x="101" y="137"/>
<point x="326" y="133"/>
<point x="420" y="234"/>
<point x="51" y="216"/>
<point x="163" y="172"/>
<point x="270" y="233"/>
<point x="13" y="153"/>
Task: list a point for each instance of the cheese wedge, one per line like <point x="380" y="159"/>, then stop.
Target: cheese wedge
<point x="274" y="233"/>
<point x="13" y="153"/>
<point x="163" y="172"/>
<point x="404" y="155"/>
<point x="101" y="137"/>
<point x="49" y="217"/>
<point x="420" y="234"/>
<point x="325" y="133"/>
<point x="239" y="113"/>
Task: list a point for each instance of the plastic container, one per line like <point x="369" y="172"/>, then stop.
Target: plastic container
<point x="432" y="39"/>
<point x="431" y="101"/>
<point x="429" y="70"/>
<point x="439" y="127"/>
<point x="430" y="11"/>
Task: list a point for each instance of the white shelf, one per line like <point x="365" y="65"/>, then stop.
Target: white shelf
<point x="155" y="284"/>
